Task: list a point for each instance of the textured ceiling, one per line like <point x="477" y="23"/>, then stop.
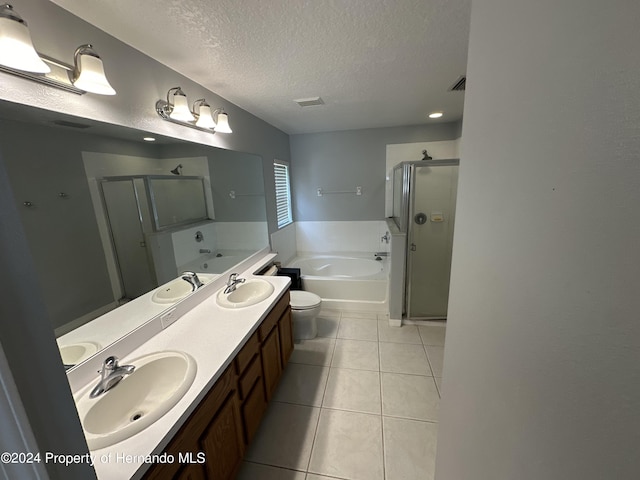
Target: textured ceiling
<point x="375" y="63"/>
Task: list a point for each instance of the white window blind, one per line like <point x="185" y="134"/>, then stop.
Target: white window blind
<point x="283" y="193"/>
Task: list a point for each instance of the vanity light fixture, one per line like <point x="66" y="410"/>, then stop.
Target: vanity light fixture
<point x="222" y="123"/>
<point x="19" y="57"/>
<point x="16" y="48"/>
<point x="199" y="117"/>
<point x="88" y="72"/>
<point x="203" y="114"/>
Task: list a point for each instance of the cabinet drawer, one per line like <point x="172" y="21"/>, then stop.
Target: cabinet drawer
<point x="273" y="317"/>
<point x="249" y="378"/>
<point x="246" y="354"/>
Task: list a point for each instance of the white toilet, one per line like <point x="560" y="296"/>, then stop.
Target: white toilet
<point x="305" y="307"/>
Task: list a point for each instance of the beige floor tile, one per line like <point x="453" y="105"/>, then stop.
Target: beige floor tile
<point x="357" y="354"/>
<point x="302" y="384"/>
<point x="356" y="390"/>
<point x="403" y="358"/>
<point x="358" y="329"/>
<point x="439" y="385"/>
<point x="255" y="471"/>
<point x="330" y="313"/>
<point x="285" y="436"/>
<point x="403" y="334"/>
<point x="327" y="326"/>
<point x="364" y="315"/>
<point x="432" y="335"/>
<point x="318" y="351"/>
<point x="313" y="476"/>
<point x="348" y="445"/>
<point x="409" y="449"/>
<point x="436" y="357"/>
<point x="410" y="396"/>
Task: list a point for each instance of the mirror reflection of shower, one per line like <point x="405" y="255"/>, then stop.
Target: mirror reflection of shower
<point x="177" y="170"/>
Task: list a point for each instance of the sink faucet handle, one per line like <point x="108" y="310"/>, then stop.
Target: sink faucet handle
<point x="110" y="363"/>
<point x="233" y="278"/>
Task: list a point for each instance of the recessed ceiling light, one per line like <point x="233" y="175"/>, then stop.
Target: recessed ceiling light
<point x="435" y="115"/>
<point x="149" y="139"/>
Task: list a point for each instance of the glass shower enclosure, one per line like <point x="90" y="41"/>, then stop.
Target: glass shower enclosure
<point x="424" y="202"/>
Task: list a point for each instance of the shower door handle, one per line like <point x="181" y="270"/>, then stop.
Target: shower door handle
<point x="413" y="247"/>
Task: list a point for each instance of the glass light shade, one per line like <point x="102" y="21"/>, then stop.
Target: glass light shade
<point x="91" y="77"/>
<point x="222" y="126"/>
<point x="181" y="110"/>
<point x="16" y="47"/>
<point x="205" y="120"/>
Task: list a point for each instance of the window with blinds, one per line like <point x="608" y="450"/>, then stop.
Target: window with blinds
<point x="283" y="193"/>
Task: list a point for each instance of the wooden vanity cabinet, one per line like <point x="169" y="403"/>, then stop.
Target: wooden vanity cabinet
<point x="215" y="429"/>
<point x="228" y="417"/>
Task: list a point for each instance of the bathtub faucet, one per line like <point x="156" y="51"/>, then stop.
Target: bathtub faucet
<point x="232" y="283"/>
<point x="205" y="250"/>
<point x="386" y="237"/>
<point x="381" y="254"/>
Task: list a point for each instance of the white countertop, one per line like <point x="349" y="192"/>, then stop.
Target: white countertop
<point x="212" y="335"/>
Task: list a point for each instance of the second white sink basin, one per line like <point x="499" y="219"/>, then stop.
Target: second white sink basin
<point x="75" y="353"/>
<point x="246" y="294"/>
<point x="159" y="381"/>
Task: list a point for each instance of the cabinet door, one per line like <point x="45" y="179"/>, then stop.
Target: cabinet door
<point x="190" y="472"/>
<point x="223" y="442"/>
<point x="286" y="336"/>
<point x="253" y="408"/>
<point x="271" y="362"/>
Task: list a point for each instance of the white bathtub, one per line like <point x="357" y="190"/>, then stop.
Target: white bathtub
<point x="355" y="282"/>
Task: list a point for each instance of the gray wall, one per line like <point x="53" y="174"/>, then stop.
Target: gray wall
<point x="342" y="160"/>
<point x="542" y="359"/>
<point x="62" y="234"/>
<point x="230" y="170"/>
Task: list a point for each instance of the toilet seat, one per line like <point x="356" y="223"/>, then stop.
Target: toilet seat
<point x="301" y="300"/>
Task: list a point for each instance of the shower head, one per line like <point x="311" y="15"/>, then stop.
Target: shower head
<point x="426" y="156"/>
<point x="177" y="170"/>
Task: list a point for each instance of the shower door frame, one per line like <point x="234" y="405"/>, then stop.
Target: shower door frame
<point x="408" y="189"/>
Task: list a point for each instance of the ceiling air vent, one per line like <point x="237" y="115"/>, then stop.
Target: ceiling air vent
<point x="309" y="102"/>
<point x="460" y="85"/>
<point x="64" y="123"/>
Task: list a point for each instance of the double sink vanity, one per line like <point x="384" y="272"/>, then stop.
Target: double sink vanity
<point x="195" y="381"/>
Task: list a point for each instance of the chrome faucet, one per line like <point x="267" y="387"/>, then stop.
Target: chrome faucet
<point x="233" y="282"/>
<point x="205" y="250"/>
<point x="110" y="375"/>
<point x="193" y="279"/>
<point x="381" y="254"/>
<point x="386" y="237"/>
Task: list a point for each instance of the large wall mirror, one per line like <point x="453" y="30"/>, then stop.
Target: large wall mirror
<point x="112" y="220"/>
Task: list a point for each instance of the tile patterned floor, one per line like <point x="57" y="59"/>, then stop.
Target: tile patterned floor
<point x="360" y="402"/>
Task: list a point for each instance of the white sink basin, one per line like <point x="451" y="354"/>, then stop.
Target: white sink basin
<point x="75" y="353"/>
<point x="159" y="381"/>
<point x="176" y="290"/>
<point x="246" y="294"/>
